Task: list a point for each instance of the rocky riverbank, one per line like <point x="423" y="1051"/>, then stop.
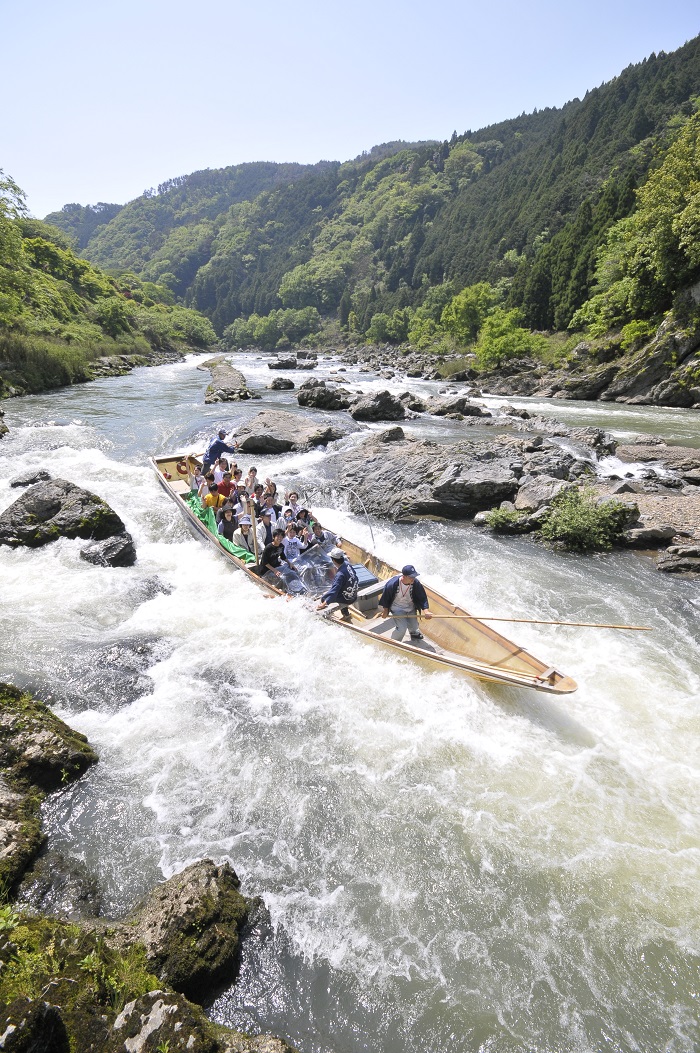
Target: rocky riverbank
<point x="661" y="371"/>
<point x="72" y="983"/>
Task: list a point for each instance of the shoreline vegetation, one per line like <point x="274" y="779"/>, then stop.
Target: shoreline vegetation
<point x="80" y="982"/>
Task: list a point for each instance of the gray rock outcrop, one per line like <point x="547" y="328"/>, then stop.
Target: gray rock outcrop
<point x="281" y="384"/>
<point x="378" y="406"/>
<point x="406" y="478"/>
<point x="117" y="551"/>
<point x="56" y="509"/>
<point x="39" y="475"/>
<point x="38" y="754"/>
<point x="320" y="396"/>
<point x="275" y="431"/>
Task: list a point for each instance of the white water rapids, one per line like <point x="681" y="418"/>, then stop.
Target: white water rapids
<point x="447" y="866"/>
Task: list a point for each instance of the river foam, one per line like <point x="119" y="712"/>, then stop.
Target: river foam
<point x="447" y="865"/>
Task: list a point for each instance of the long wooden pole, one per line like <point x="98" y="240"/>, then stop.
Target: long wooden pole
<point x="530" y="621"/>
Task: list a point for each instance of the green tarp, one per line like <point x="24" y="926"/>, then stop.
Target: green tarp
<point x="206" y="516"/>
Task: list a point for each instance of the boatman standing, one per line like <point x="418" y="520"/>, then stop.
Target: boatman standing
<point x="404" y="597"/>
<point x="343" y="591"/>
<point x="215" y="448"/>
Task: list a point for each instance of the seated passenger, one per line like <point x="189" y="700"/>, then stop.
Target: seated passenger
<point x="227" y="524"/>
<point x="243" y="536"/>
<point x="323" y="539"/>
<point x="343" y="591"/>
<point x="220" y="467"/>
<point x="404" y="597"/>
<point x="226" y="484"/>
<point x="269" y="505"/>
<point x="303" y="519"/>
<point x="214" y="499"/>
<point x="195" y="477"/>
<point x="273" y="555"/>
<point x="293" y="502"/>
<point x="251" y="479"/>
<point x="264" y="528"/>
<point x="293" y="545"/>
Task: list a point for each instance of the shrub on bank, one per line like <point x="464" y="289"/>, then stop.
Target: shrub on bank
<point x="581" y="523"/>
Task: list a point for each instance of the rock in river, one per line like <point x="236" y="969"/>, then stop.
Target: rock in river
<point x="117" y="551"/>
<point x="190" y="926"/>
<point x="274" y="431"/>
<point x="227" y="384"/>
<point x="56" y="509"/>
<point x="379" y="406"/>
<point x="325" y="398"/>
<point x="406" y="478"/>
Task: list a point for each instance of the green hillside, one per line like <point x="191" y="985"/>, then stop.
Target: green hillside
<point x="382" y="246"/>
<point x="59" y="313"/>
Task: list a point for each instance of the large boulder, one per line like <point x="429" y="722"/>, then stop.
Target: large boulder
<point x="281" y="384"/>
<point x="402" y="479"/>
<point x="456" y="404"/>
<point x="191" y="927"/>
<point x="275" y="431"/>
<point x="30" y="1025"/>
<point x="56" y="509"/>
<point x="117" y="551"/>
<point x="538" y="490"/>
<point x="321" y="397"/>
<point x="381" y="405"/>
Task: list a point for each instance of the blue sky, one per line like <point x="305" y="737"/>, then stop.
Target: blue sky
<point x="101" y="100"/>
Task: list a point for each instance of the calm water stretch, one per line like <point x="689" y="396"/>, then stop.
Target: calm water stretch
<point x="448" y="866"/>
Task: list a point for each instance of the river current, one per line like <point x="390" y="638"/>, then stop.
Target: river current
<point x="448" y="866"/>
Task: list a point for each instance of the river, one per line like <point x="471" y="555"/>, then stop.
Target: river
<point x="448" y="866"/>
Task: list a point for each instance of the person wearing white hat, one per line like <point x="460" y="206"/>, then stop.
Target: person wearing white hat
<point x="243" y="537"/>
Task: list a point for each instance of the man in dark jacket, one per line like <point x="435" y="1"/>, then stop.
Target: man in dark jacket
<point x="403" y="597"/>
<point x="343" y="591"/>
<point x="214" y="450"/>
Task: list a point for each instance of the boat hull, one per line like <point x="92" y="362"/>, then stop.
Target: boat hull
<point x="453" y="640"/>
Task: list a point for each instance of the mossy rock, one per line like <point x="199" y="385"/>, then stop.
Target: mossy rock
<point x="37" y="749"/>
<point x="38" y="753"/>
<point x="191" y="928"/>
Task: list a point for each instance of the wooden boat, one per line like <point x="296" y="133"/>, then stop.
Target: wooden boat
<point x="453" y="640"/>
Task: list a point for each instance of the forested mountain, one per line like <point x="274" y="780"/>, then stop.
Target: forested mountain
<point x="383" y="244"/>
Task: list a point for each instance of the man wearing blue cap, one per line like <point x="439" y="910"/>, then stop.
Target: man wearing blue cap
<point x="403" y="597"/>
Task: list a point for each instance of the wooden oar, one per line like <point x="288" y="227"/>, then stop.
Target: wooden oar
<point x="529" y="621"/>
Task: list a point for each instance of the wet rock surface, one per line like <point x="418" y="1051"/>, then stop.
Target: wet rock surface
<point x="60" y="887"/>
<point x="54" y="509"/>
<point x="29" y="478"/>
<point x="319" y="396"/>
<point x="191" y="927"/>
<point x="407" y="478"/>
<point x="117" y="551"/>
<point x="31" y="1025"/>
<point x="275" y="431"/>
<point x="281" y="384"/>
<point x="38" y="754"/>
